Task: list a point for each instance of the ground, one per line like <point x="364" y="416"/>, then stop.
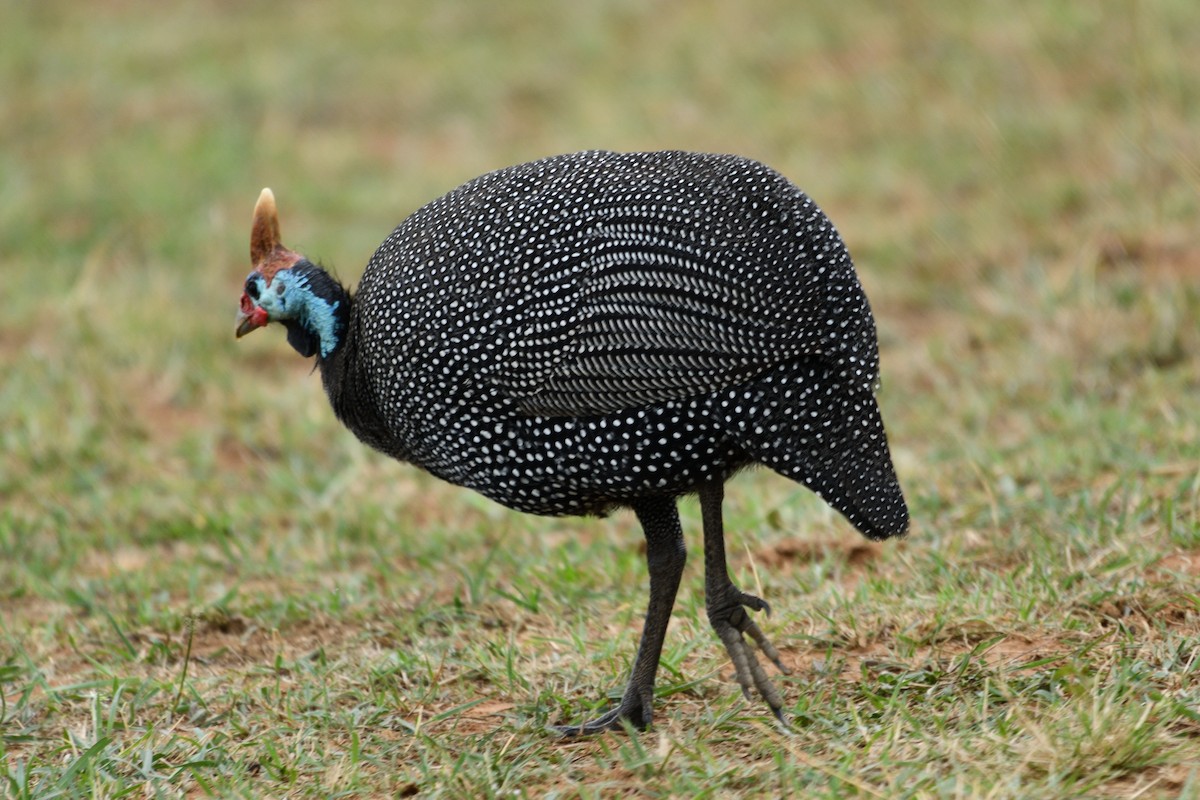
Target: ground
<point x="208" y="588"/>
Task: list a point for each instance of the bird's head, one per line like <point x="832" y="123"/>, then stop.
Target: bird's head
<point x="286" y="287"/>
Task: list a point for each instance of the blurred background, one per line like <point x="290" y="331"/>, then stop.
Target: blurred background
<point x="1018" y="183"/>
<point x="991" y="165"/>
<point x="944" y="139"/>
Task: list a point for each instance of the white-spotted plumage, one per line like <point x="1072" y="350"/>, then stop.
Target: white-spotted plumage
<point x="568" y="334"/>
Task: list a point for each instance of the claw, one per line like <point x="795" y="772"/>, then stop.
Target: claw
<point x="606" y="722"/>
<point x="751" y="601"/>
<point x="636" y="708"/>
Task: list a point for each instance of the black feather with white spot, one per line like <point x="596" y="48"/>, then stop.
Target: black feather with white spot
<point x="568" y="335"/>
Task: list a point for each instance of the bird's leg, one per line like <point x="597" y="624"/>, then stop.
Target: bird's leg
<point x="665" y="556"/>
<point x="726" y="606"/>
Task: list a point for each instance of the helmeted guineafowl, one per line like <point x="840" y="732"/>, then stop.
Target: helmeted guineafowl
<point x="599" y="330"/>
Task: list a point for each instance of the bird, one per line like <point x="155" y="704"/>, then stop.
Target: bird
<point x="598" y="331"/>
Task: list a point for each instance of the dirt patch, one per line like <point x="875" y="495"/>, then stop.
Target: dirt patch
<point x="235" y="456"/>
<point x="275" y="363"/>
<point x="1017" y="651"/>
<point x="154" y="407"/>
<point x="224" y="641"/>
<point x="1152" y="256"/>
<point x="14" y="344"/>
<point x="486" y="716"/>
<point x="854" y="554"/>
<point x="1011" y="653"/>
<point x="849" y="560"/>
<point x="1186" y="563"/>
<point x="123" y="560"/>
<point x="23" y="613"/>
<point x="223" y="648"/>
<point x="157" y="411"/>
<point x="221" y="645"/>
<point x="1178" y="614"/>
<point x="1151" y="782"/>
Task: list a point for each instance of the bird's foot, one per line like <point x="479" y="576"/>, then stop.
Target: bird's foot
<point x="636" y="708"/>
<point x="727" y="613"/>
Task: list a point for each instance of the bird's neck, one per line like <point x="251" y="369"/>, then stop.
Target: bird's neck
<point x="329" y="330"/>
<point x="321" y="322"/>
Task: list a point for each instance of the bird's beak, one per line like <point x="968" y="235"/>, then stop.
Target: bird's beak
<point x="250" y="316"/>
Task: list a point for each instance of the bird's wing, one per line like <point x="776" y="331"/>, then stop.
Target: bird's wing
<point x="636" y="324"/>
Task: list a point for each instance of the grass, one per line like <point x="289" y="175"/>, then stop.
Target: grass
<point x="208" y="588"/>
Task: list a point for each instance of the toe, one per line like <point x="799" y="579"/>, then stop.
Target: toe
<point x="636" y="708"/>
<point x="755" y="603"/>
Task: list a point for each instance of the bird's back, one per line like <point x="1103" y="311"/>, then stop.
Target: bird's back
<point x="567" y="334"/>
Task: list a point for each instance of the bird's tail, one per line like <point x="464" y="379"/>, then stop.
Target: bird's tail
<point x="848" y="465"/>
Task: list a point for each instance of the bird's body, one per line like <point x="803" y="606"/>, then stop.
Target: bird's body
<point x="600" y="330"/>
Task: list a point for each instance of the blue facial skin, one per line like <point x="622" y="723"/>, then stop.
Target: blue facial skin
<point x="289" y="297"/>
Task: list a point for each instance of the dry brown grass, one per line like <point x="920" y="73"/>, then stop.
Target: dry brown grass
<point x="1018" y="184"/>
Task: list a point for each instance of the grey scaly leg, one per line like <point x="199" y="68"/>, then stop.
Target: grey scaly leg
<point x="665" y="557"/>
<point x="726" y="606"/>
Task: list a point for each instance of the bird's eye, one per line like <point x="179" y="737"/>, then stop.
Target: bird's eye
<point x="252" y="287"/>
